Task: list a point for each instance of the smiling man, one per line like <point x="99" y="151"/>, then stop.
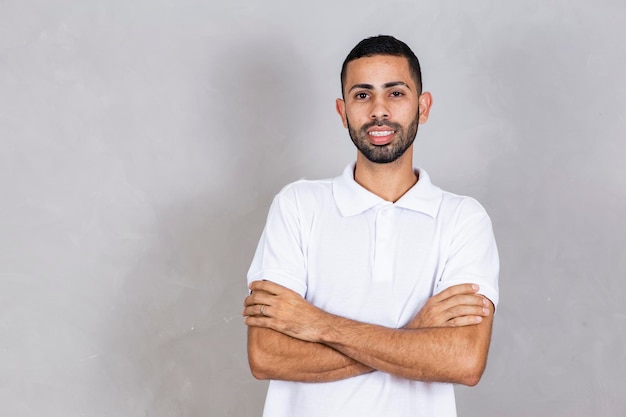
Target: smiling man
<point x="372" y="293"/>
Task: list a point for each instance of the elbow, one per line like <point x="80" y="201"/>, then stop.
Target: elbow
<point x="472" y="363"/>
<point x="257" y="370"/>
<point x="470" y="380"/>
<point x="471" y="372"/>
<point x="258" y="374"/>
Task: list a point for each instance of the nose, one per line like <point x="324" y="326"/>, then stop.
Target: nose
<point x="379" y="109"/>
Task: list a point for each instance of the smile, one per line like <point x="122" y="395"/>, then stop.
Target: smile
<point x="380" y="133"/>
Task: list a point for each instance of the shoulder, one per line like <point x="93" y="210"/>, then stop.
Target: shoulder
<point x="304" y="194"/>
<point x="458" y="209"/>
<point x="305" y="189"/>
<point x="462" y="202"/>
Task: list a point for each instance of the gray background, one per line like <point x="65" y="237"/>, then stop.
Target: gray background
<point x="142" y="142"/>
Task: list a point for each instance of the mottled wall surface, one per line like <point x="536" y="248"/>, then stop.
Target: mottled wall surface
<point x="142" y="141"/>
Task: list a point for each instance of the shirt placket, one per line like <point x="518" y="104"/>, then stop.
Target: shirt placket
<point x="383" y="247"/>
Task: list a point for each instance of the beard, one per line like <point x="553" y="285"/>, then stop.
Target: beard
<point x="384" y="154"/>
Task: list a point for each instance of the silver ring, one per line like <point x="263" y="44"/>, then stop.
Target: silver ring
<point x="262" y="308"/>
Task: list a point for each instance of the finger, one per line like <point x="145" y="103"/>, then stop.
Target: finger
<point x="268" y="286"/>
<point x="464" y="299"/>
<point x="246" y="312"/>
<point x="264" y="310"/>
<point x="455" y="290"/>
<point x="258" y="321"/>
<point x="261" y="310"/>
<point x="464" y="321"/>
<point x="465" y="305"/>
<point x="458" y="290"/>
<point x="261" y="291"/>
<point x="484" y="310"/>
<point x="257" y="310"/>
<point x="248" y="300"/>
<point x="249" y="311"/>
<point x="259" y="297"/>
<point x="465" y="310"/>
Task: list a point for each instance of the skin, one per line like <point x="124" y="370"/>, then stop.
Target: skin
<point x="381" y="89"/>
<point x="447" y="341"/>
<point x="296" y="341"/>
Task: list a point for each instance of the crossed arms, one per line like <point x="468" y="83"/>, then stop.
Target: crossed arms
<point x="291" y="339"/>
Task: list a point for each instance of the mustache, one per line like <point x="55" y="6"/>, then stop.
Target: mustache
<point x="378" y="123"/>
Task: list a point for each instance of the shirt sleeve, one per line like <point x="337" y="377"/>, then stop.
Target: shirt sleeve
<point x="279" y="255"/>
<point x="473" y="254"/>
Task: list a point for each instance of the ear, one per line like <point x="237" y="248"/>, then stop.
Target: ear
<point x="425" y="102"/>
<point x="340" y="106"/>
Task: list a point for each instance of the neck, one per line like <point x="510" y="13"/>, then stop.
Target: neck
<point x="388" y="181"/>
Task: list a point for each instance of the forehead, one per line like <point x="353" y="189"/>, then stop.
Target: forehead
<point x="377" y="70"/>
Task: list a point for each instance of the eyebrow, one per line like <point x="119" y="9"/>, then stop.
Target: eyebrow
<point x="384" y="86"/>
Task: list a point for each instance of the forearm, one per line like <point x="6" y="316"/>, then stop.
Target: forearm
<point x="273" y="355"/>
<point x="456" y="355"/>
<point x="426" y="350"/>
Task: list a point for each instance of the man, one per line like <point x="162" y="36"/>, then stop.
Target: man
<point x="372" y="293"/>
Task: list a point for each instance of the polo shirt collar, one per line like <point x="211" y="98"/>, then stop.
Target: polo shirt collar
<point x="352" y="199"/>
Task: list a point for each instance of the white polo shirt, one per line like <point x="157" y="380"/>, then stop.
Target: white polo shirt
<point x="356" y="255"/>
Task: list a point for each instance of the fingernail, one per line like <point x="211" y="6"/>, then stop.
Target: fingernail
<point x="485" y="310"/>
<point x="476" y="287"/>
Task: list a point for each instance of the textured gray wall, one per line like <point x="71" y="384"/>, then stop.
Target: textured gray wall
<point x="142" y="141"/>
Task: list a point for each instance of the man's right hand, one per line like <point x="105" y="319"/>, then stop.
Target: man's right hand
<point x="457" y="306"/>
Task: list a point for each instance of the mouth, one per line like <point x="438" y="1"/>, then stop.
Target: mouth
<point x="381" y="137"/>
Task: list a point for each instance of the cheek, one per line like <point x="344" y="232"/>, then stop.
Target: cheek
<point x="408" y="113"/>
<point x="353" y="119"/>
<point x="358" y="111"/>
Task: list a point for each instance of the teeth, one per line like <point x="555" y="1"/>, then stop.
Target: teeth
<point x="381" y="133"/>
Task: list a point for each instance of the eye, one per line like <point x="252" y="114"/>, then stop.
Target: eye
<point x="397" y="93"/>
<point x="361" y="96"/>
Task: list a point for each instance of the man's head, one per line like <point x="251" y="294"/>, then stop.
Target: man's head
<point x="382" y="102"/>
<point x="383" y="45"/>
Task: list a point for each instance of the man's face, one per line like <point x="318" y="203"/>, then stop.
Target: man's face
<point x="381" y="107"/>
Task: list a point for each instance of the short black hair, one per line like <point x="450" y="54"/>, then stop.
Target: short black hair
<point x="384" y="45"/>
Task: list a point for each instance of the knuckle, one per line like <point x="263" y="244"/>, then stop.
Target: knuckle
<point x="457" y="322"/>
